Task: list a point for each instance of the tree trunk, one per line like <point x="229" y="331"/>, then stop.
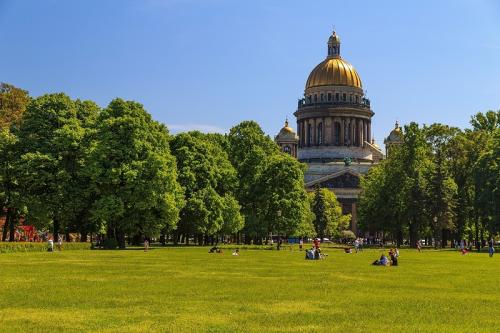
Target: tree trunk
<point x="413" y="235"/>
<point x="83" y="237"/>
<point x="399" y="238"/>
<point x="120" y="237"/>
<point x="55" y="233"/>
<point x="444" y="238"/>
<point x="6" y="225"/>
<point x="12" y="226"/>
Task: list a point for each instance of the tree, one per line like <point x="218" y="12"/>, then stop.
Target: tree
<point x="249" y="152"/>
<point x="9" y="189"/>
<point x="49" y="139"/>
<point x="134" y="173"/>
<point x="282" y="203"/>
<point x="487" y="122"/>
<point x="208" y="180"/>
<point x="13" y="102"/>
<point x="442" y="189"/>
<point x="329" y="220"/>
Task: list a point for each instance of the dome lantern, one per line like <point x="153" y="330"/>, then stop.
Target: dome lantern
<point x="334" y="46"/>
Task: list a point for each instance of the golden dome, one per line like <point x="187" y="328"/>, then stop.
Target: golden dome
<point x="286" y="128"/>
<point x="334" y="71"/>
<point x="396" y="135"/>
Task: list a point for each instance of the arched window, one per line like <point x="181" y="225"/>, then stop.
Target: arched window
<point x="357" y="99"/>
<point x="350" y="98"/>
<point x="320" y="134"/>
<point x="329" y="97"/>
<point x="337" y="96"/>
<point x="309" y="134"/>
<point x="315" y="98"/>
<point x="322" y="97"/>
<point x="336" y="128"/>
<point x="287" y="150"/>
<point x="344" y="97"/>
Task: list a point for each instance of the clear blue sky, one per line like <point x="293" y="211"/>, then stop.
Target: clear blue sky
<point x="213" y="63"/>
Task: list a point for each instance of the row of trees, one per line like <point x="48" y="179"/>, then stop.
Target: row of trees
<point x="441" y="183"/>
<point x="69" y="166"/>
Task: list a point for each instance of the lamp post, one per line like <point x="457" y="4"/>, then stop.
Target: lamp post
<point x="278" y="228"/>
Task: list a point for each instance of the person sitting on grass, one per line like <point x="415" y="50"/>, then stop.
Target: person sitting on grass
<point x="394" y="258"/>
<point x="215" y="249"/>
<point x="348" y="250"/>
<point x="383" y="261"/>
<point x="236" y="252"/>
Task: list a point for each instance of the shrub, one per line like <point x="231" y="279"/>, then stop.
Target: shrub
<point x="9" y="247"/>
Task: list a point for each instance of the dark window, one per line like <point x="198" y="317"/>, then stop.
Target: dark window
<point x="350" y="98"/>
<point x="287" y="149"/>
<point x="329" y="97"/>
<point x="336" y="129"/>
<point x="357" y="99"/>
<point x="344" y="97"/>
<point x="337" y="96"/>
<point x="322" y="97"/>
<point x="309" y="134"/>
<point x="320" y="134"/>
<point x="315" y="98"/>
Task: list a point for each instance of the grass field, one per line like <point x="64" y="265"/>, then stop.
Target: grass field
<point x="189" y="290"/>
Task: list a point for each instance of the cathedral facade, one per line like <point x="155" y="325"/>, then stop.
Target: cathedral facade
<point x="334" y="132"/>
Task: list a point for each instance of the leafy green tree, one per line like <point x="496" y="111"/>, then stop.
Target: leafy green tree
<point x="134" y="173"/>
<point x="329" y="220"/>
<point x="442" y="189"/>
<point x="393" y="192"/>
<point x="282" y="203"/>
<point x="249" y="152"/>
<point x="208" y="180"/>
<point x="487" y="122"/>
<point x="49" y="139"/>
<point x="9" y="190"/>
<point x="13" y="102"/>
<point x="83" y="191"/>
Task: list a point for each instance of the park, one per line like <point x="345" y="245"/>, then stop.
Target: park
<point x="185" y="289"/>
<point x="222" y="166"/>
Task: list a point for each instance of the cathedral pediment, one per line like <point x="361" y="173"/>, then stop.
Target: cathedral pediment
<point x="347" y="178"/>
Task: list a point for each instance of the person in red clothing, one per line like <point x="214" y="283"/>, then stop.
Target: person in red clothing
<point x="316" y="243"/>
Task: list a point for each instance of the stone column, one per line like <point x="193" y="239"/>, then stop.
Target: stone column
<point x="342" y="129"/>
<point x="361" y="134"/>
<point x="365" y="137"/>
<point x="303" y="137"/>
<point x="369" y="131"/>
<point x="315" y="142"/>
<point x="328" y="131"/>
<point x="354" y="219"/>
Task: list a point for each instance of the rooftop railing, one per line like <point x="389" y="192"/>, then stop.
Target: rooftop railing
<point x="304" y="103"/>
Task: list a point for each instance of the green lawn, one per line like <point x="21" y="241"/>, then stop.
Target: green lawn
<point x="189" y="290"/>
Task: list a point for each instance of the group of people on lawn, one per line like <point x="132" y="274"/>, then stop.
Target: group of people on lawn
<point x="390" y="260"/>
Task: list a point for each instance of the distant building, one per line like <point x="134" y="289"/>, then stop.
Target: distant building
<point x="334" y="130"/>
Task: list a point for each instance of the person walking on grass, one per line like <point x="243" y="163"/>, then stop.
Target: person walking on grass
<point x="419" y="246"/>
<point x="59" y="243"/>
<point x="491" y="247"/>
<point x="146" y="245"/>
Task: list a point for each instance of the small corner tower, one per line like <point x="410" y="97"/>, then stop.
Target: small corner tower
<point x="395" y="138"/>
<point x="288" y="140"/>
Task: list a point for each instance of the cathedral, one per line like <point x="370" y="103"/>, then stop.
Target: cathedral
<point x="334" y="132"/>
